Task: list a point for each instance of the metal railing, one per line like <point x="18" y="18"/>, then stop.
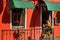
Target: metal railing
<point x="24" y="34"/>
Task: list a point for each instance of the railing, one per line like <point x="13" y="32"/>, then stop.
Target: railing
<point x="24" y="34"/>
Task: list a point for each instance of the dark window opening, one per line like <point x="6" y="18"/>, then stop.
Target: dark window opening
<point x="57" y="19"/>
<point x="18" y="17"/>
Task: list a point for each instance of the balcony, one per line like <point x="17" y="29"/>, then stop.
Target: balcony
<point x="24" y="34"/>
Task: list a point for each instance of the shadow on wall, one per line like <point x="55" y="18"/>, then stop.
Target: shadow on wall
<point x="35" y="20"/>
<point x="6" y="15"/>
<point x="1" y="6"/>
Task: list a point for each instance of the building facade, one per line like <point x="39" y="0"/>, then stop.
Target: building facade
<point x="28" y="17"/>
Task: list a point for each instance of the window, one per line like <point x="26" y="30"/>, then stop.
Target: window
<point x="18" y="18"/>
<point x="57" y="18"/>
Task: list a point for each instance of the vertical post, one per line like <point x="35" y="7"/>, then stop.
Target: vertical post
<point x="2" y="35"/>
<point x="40" y="6"/>
<point x="24" y="34"/>
<point x="53" y="24"/>
<point x="18" y="33"/>
<point x="26" y="17"/>
<point x="10" y="19"/>
<point x="9" y="34"/>
<point x="6" y="34"/>
<point x="52" y="19"/>
<point x="23" y="18"/>
<point x="34" y="34"/>
<point x="41" y="20"/>
<point x="31" y="33"/>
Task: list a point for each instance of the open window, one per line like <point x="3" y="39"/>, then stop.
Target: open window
<point x="57" y="18"/>
<point x="18" y="18"/>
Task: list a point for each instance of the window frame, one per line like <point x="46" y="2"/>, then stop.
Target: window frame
<point x="22" y="27"/>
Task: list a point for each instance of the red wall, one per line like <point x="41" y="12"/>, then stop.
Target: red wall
<point x="4" y="17"/>
<point x="33" y="18"/>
